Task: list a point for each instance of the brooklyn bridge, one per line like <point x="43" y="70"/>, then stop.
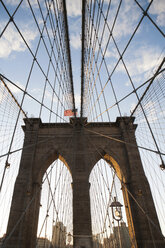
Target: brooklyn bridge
<point x="82" y="120"/>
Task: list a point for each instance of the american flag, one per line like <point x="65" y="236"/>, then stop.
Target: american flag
<point x="70" y="112"/>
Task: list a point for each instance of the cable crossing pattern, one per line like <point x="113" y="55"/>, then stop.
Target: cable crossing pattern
<point x="122" y="74"/>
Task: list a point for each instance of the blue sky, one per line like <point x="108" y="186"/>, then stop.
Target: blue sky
<point x="142" y="57"/>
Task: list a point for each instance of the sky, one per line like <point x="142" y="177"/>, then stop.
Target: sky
<point x="147" y="47"/>
<point x="142" y="57"/>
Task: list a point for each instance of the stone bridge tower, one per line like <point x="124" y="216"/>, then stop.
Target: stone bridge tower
<point x="44" y="143"/>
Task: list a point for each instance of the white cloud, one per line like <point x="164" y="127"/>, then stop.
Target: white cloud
<point x="112" y="53"/>
<point x="24" y="3"/>
<point x="48" y="96"/>
<point x="12" y="41"/>
<point x="150" y="111"/>
<point x="75" y="25"/>
<point x="127" y="83"/>
<point x="36" y="91"/>
<point x="127" y="19"/>
<point x="161" y="19"/>
<point x="75" y="41"/>
<point x="73" y="7"/>
<point x="75" y="32"/>
<point x="141" y="61"/>
<point x="126" y="22"/>
<point x="14" y="89"/>
<point x="162" y="113"/>
<point x="158" y="8"/>
<point x="133" y="105"/>
<point x="12" y="2"/>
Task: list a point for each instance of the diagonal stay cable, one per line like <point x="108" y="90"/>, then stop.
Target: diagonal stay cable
<point x="99" y="43"/>
<point x="132" y="36"/>
<point x="55" y="36"/>
<point x="21" y="217"/>
<point x="27" y="207"/>
<point x="11" y="18"/>
<point x="137" y="203"/>
<point x="91" y="49"/>
<point x="62" y="51"/>
<point x="158" y="28"/>
<point x="55" y="188"/>
<point x="52" y="45"/>
<point x="128" y="143"/>
<point x="137" y="96"/>
<point x="112" y="169"/>
<point x="9" y="152"/>
<point x="2" y="80"/>
<point x="32" y="97"/>
<point x="151" y="81"/>
<point x="33" y="55"/>
<point x="96" y="30"/>
<point x="133" y="91"/>
<point x="32" y="145"/>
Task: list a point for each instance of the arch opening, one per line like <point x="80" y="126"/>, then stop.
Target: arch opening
<point x="112" y="162"/>
<point x="105" y="179"/>
<point x="55" y="226"/>
<point x="46" y="161"/>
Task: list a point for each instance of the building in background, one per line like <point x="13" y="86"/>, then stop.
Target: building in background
<point x="114" y="239"/>
<point x="96" y="242"/>
<point x="59" y="235"/>
<point x="43" y="243"/>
